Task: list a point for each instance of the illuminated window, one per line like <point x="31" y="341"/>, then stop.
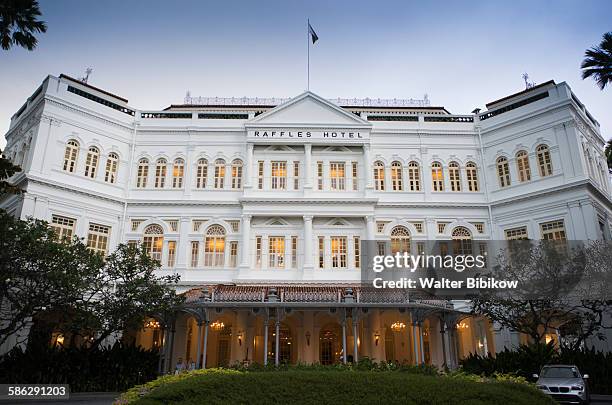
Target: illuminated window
<point x="400" y="240"/>
<point x="110" y="175"/>
<point x="91" y="162"/>
<point x="279" y="175"/>
<point x="472" y="176"/>
<point x="214" y="247"/>
<point x="219" y="173"/>
<point x="97" y="238"/>
<point x="202" y="173"/>
<point x="437" y="176"/>
<point x="153" y="241"/>
<point x="276" y="252"/>
<point x="338" y="252"/>
<point x="296" y="175"/>
<point x="294" y="251"/>
<point x="522" y="166"/>
<point x="414" y="176"/>
<point x="337" y="175"/>
<point x="195" y="253"/>
<point x="554" y="230"/>
<point x="544" y="162"/>
<point x="396" y="176"/>
<point x="171" y="253"/>
<point x="258" y="251"/>
<point x="70" y="155"/>
<point x="355" y="176"/>
<point x="143" y="173"/>
<point x="233" y="254"/>
<point x="462" y="241"/>
<point x="160" y="173"/>
<point x="63" y="227"/>
<point x="260" y="174"/>
<point x="178" y="171"/>
<point x="357" y="252"/>
<point x="454" y="176"/>
<point x="321" y="252"/>
<point x="503" y="172"/>
<point x="319" y="176"/>
<point x="516" y="233"/>
<point x="237" y="174"/>
<point x="379" y="176"/>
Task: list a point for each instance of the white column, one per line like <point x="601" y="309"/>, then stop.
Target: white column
<point x="248" y="167"/>
<point x="344" y="360"/>
<point x="277" y="344"/>
<point x="199" y="343"/>
<point x="367" y="172"/>
<point x="308" y="166"/>
<point x="205" y="344"/>
<point x="415" y="343"/>
<point x="246" y="238"/>
<point x="370" y="227"/>
<point x="265" y="348"/>
<point x="421" y="342"/>
<point x="183" y="246"/>
<point x="355" y="339"/>
<point x="308" y="251"/>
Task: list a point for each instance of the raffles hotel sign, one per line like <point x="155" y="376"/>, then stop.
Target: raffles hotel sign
<point x="308" y="135"/>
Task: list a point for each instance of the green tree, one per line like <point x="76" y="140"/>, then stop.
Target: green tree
<point x="19" y="23"/>
<point x="7" y="169"/>
<point x="608" y="152"/>
<point x="597" y="62"/>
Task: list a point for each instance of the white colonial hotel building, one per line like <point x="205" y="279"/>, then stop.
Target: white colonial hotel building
<point x="261" y="204"/>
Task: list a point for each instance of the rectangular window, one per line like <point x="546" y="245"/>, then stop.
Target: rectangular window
<point x="260" y="174"/>
<point x="279" y="175"/>
<point x="321" y="252"/>
<point x="455" y="179"/>
<point x="442" y="226"/>
<point x="338" y="251"/>
<point x="296" y="175"/>
<point x="482" y="250"/>
<point x="195" y="253"/>
<point x="355" y="176"/>
<point x="357" y="252"/>
<point x="220" y="174"/>
<point x="337" y="175"/>
<point x="320" y="176"/>
<point x="142" y="175"/>
<point x="97" y="239"/>
<point x="258" y="252"/>
<point x="171" y="253"/>
<point x="276" y="251"/>
<point x="233" y="253"/>
<point x="554" y="230"/>
<point x="63" y="227"/>
<point x="160" y="175"/>
<point x="294" y="249"/>
<point x="381" y="248"/>
<point x="202" y="173"/>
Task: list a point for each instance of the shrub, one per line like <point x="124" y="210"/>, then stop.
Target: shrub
<point x="113" y="368"/>
<point x="301" y="386"/>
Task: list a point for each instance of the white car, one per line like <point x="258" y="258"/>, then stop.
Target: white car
<point x="563" y="383"/>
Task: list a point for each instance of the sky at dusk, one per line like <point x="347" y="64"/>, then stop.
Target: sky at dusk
<point x="461" y="53"/>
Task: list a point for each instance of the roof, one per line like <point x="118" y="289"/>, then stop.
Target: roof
<point x="79" y="82"/>
<point x="520" y="93"/>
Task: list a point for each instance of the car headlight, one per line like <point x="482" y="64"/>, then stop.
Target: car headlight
<point x="577" y="387"/>
<point x="542" y="387"/>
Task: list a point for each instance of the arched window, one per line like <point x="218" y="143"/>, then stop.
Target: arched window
<point x="454" y="176"/>
<point x="237" y="174"/>
<point x="414" y="176"/>
<point x="91" y="163"/>
<point x="143" y="173"/>
<point x="214" y="247"/>
<point x="160" y="173"/>
<point x="522" y="166"/>
<point x="462" y="241"/>
<point x="472" y="176"/>
<point x="396" y="176"/>
<point x="70" y="155"/>
<point x="379" y="176"/>
<point x="437" y="177"/>
<point x="544" y="162"/>
<point x="219" y="173"/>
<point x="110" y="175"/>
<point x="503" y="172"/>
<point x="400" y="240"/>
<point x="178" y="171"/>
<point x="202" y="173"/>
<point x="153" y="241"/>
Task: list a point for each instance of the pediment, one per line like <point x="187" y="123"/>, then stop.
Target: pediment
<point x="308" y="110"/>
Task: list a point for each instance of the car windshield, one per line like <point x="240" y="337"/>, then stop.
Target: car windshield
<point x="560" y="372"/>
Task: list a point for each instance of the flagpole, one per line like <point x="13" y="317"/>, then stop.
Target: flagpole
<point x="308" y="45"/>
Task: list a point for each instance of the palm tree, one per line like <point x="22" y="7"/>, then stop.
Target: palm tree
<point x="598" y="62"/>
<point x="608" y="153"/>
<point x="19" y="22"/>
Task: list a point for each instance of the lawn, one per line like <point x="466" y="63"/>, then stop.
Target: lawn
<point x="223" y="386"/>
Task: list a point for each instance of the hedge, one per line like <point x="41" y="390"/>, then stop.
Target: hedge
<point x="328" y="386"/>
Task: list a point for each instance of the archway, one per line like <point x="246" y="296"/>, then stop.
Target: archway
<point x="330" y="347"/>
